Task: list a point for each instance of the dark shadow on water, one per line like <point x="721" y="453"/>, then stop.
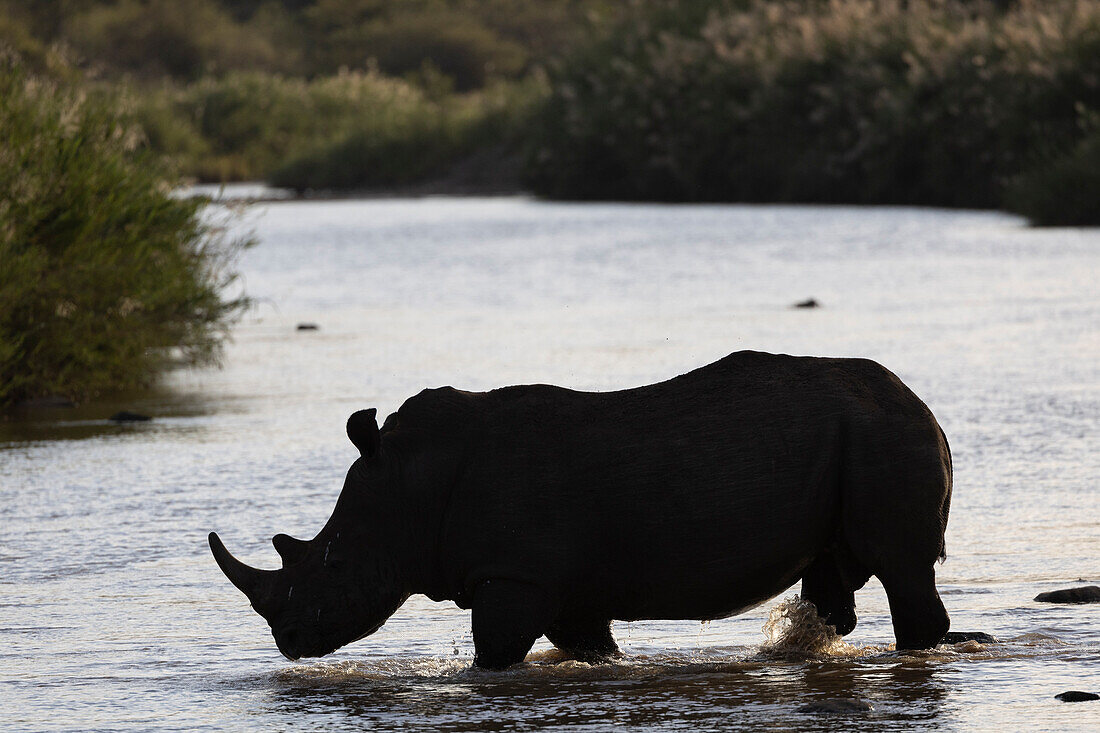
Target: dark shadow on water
<point x="666" y="694"/>
<point x="168" y="409"/>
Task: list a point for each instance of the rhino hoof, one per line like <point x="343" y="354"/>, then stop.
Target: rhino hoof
<point x="1077" y="696"/>
<point x="839" y="705"/>
<point x="1084" y="594"/>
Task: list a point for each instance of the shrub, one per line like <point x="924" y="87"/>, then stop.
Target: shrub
<point x="454" y="43"/>
<point x="249" y="125"/>
<point x="414" y="139"/>
<point x="106" y="278"/>
<point x="860" y="101"/>
<point x="1063" y="192"/>
<point x="245" y="125"/>
<point x="158" y="37"/>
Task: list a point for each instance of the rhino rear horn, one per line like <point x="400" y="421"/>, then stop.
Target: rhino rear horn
<point x="290" y="549"/>
<point x="363" y="431"/>
<point x="249" y="580"/>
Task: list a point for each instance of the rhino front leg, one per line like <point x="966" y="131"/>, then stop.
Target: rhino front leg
<point x="585" y="640"/>
<point x="830" y="584"/>
<point x="508" y="616"/>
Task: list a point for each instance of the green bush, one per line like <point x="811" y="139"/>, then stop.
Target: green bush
<point x="152" y="38"/>
<point x="858" y="101"/>
<point x="245" y="125"/>
<point x="1063" y="192"/>
<point x="472" y="41"/>
<point x="454" y="43"/>
<point x="414" y="139"/>
<point x="252" y="125"/>
<point x="105" y="278"/>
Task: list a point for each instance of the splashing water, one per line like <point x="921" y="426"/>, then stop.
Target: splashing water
<point x="793" y="626"/>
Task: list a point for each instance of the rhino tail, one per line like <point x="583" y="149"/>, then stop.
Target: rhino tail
<point x="945" y="506"/>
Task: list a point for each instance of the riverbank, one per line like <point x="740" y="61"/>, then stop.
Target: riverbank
<point x="944" y="104"/>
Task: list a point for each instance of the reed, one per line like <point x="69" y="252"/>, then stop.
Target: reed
<point x="105" y="278"/>
<point x="857" y="101"/>
<point x="416" y="140"/>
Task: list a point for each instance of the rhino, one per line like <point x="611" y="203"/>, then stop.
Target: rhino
<point x="549" y="511"/>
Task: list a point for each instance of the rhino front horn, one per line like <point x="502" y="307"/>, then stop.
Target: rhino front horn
<point x="248" y="580"/>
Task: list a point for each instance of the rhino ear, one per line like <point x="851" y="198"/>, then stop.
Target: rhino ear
<point x="290" y="549"/>
<point x="363" y="431"/>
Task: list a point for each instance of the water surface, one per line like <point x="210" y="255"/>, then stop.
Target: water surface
<point x="113" y="615"/>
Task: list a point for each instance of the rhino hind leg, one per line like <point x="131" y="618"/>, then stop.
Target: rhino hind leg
<point x="920" y="620"/>
<point x="586" y="640"/>
<point x="830" y="584"/>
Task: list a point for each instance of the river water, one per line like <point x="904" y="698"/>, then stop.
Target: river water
<point x="113" y="615"/>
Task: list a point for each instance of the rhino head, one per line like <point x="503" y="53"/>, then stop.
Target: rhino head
<point x="344" y="583"/>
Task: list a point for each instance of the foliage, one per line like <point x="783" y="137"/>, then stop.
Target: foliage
<point x="979" y="103"/>
<point x="866" y="101"/>
<point x="245" y="125"/>
<point x="456" y="44"/>
<point x="474" y="42"/>
<point x="237" y="89"/>
<point x="106" y="278"/>
<point x="157" y="37"/>
<point x="402" y="144"/>
<point x="17" y="37"/>
<point x="1063" y="192"/>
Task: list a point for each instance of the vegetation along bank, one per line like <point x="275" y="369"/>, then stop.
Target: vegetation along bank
<point x="106" y="105"/>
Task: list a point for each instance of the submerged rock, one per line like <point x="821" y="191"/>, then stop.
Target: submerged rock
<point x="958" y="637"/>
<point x="839" y="705"/>
<point x="1076" y="696"/>
<point x="810" y="303"/>
<point x="1084" y="594"/>
<point x="126" y="416"/>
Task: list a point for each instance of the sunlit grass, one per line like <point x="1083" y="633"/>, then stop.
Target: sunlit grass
<point x="105" y="278"/>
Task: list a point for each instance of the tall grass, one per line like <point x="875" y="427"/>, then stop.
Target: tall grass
<point x="105" y="278"/>
<point x="417" y="140"/>
<point x="863" y="101"/>
<point x="473" y="42"/>
<point x="355" y="129"/>
<point x="246" y="125"/>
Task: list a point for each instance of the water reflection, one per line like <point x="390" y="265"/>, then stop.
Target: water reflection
<point x="742" y="690"/>
<point x="171" y="409"/>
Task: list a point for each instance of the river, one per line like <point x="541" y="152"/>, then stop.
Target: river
<point x="113" y="615"/>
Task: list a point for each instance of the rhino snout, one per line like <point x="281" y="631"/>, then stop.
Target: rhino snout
<point x="289" y="642"/>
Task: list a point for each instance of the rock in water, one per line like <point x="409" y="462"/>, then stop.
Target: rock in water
<point x="308" y="327"/>
<point x="958" y="637"/>
<point x="840" y="705"/>
<point x="1077" y="696"/>
<point x="126" y="416"/>
<point x="1084" y="594"/>
<point x="811" y="303"/>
